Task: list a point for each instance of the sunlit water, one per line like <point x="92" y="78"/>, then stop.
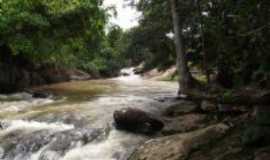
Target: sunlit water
<point x="79" y="126"/>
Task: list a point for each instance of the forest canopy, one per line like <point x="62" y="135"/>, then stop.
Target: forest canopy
<point x="228" y="38"/>
<point x="70" y="33"/>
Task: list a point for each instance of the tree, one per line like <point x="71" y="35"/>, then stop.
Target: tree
<point x="54" y="31"/>
<point x="185" y="79"/>
<point x="228" y="40"/>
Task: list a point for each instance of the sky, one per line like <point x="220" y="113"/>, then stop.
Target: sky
<point x="127" y="16"/>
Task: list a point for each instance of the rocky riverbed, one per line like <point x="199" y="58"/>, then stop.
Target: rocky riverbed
<point x="77" y="123"/>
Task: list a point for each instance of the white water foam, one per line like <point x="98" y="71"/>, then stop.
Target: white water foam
<point x="16" y="96"/>
<point x="112" y="148"/>
<point x="50" y="155"/>
<point x="32" y="126"/>
<point x="23" y="101"/>
<point x="131" y="76"/>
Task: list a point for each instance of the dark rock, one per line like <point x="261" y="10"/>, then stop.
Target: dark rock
<point x="12" y="79"/>
<point x="138" y="70"/>
<point x="124" y="74"/>
<point x="40" y="95"/>
<point x="37" y="79"/>
<point x="55" y="75"/>
<point x="138" y="121"/>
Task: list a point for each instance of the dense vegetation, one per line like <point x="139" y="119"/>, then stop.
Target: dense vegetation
<point x="59" y="32"/>
<point x="229" y="39"/>
<point x="227" y="42"/>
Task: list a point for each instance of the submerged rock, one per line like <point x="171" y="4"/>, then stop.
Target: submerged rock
<point x="178" y="147"/>
<point x="137" y="121"/>
<point x="49" y="145"/>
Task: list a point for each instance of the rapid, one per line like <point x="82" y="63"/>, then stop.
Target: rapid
<point x="77" y="122"/>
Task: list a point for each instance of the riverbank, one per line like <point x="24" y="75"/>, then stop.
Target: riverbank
<point x="209" y="131"/>
<point x="19" y="73"/>
<point x="16" y="78"/>
<point x="83" y="115"/>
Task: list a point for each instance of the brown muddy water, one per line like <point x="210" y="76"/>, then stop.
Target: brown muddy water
<point x="77" y="123"/>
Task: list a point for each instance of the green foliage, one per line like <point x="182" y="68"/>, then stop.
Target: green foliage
<point x="230" y="36"/>
<point x="219" y="36"/>
<point x="51" y="30"/>
<point x="148" y="42"/>
<point x="68" y="33"/>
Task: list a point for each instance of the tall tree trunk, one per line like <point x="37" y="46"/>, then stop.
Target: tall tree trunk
<point x="185" y="79"/>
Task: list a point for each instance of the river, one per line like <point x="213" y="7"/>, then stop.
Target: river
<point x="77" y="123"/>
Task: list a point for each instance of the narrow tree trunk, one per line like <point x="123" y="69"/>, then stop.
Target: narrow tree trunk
<point x="182" y="67"/>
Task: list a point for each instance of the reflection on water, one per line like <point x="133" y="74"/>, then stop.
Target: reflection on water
<point x="79" y="127"/>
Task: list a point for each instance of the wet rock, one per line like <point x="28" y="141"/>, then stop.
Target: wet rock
<point x="124" y="74"/>
<point x="168" y="99"/>
<point x="3" y="124"/>
<point x="184" y="123"/>
<point x="38" y="94"/>
<point x="178" y="147"/>
<point x="208" y="106"/>
<point x="78" y="75"/>
<point x="180" y="108"/>
<point x="137" y="121"/>
<point x="138" y="70"/>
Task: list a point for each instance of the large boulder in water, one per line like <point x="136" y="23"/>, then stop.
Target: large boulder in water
<point x="138" y="121"/>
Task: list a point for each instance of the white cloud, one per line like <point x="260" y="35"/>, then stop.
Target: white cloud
<point x="127" y="16"/>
